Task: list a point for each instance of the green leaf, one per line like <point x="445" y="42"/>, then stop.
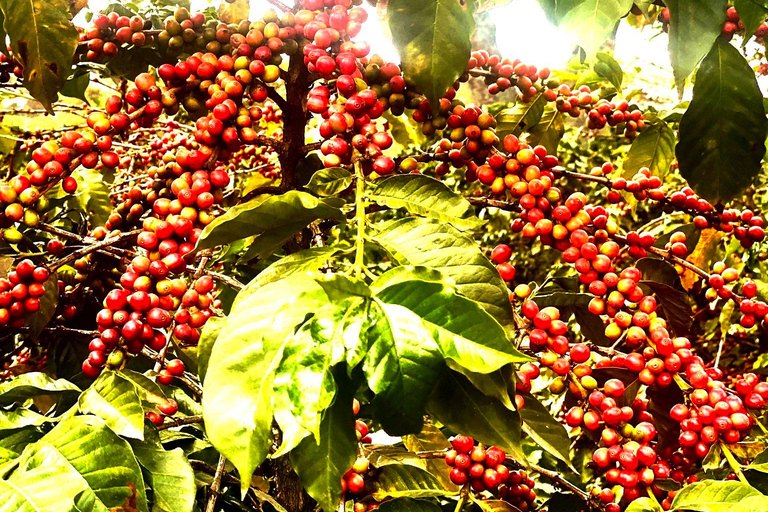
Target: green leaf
<point x="422" y="195"/>
<point x="406" y="481"/>
<point x="321" y="465"/>
<point x="48" y="488"/>
<point x="92" y="196"/>
<point x="693" y="26"/>
<point x="521" y="117"/>
<point x="751" y="504"/>
<point x="548" y="131"/>
<point x="712" y="496"/>
<point x="48" y="303"/>
<point x="653" y="148"/>
<point x="329" y="182"/>
<point x="76" y="84"/>
<point x="275" y="217"/>
<point x="33" y="384"/>
<point x="304" y="374"/>
<point x="208" y="337"/>
<point x="752" y="13"/>
<point x="238" y="386"/>
<point x="466" y="333"/>
<point x="84" y="445"/>
<point x="428" y="242"/>
<point x="722" y="134"/>
<point x="169" y="474"/>
<point x="302" y="261"/>
<point x="409" y="505"/>
<point x="547" y="432"/>
<point x="402" y="367"/>
<point x="644" y="505"/>
<point x="432" y="37"/>
<point x="590" y="22"/>
<point x="607" y="67"/>
<point x="462" y="408"/>
<point x="44" y="41"/>
<point x="431" y="439"/>
<point x="114" y="399"/>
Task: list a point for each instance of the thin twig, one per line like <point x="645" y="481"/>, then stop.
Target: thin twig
<point x="216" y="485"/>
<point x="189" y="420"/>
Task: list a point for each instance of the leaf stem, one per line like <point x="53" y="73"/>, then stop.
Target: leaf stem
<point x="735" y="466"/>
<point x="463" y="498"/>
<point x="360" y="219"/>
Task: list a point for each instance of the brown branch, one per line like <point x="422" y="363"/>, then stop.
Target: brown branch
<point x="178" y="422"/>
<point x="94" y="247"/>
<point x="314" y="146"/>
<point x="280" y="5"/>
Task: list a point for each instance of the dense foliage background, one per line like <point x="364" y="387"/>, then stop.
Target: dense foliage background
<point x="249" y="264"/>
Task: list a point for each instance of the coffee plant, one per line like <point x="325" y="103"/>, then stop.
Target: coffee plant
<point x="251" y="265"/>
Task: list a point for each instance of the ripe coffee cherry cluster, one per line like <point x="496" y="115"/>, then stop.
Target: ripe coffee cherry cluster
<point x="732" y="25"/>
<point x="166" y="409"/>
<point x="110" y="32"/>
<point x="500" y="256"/>
<point x="21" y="292"/>
<point x="483" y="469"/>
<point x="501" y="74"/>
<point x="10" y="67"/>
<point x="711" y="415"/>
<point x="353" y="481"/>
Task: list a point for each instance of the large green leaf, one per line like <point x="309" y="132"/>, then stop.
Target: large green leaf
<point x="590" y="22"/>
<point x="428" y="242"/>
<point x="422" y="195"/>
<point x="466" y="333"/>
<point x="693" y="27"/>
<point x="459" y="406"/>
<point x="521" y="117"/>
<point x="238" y="386"/>
<point x="30" y="385"/>
<point x="48" y="488"/>
<point x="329" y="182"/>
<point x="272" y="217"/>
<point x="402" y="367"/>
<point x="114" y="399"/>
<point x="722" y="134"/>
<point x="751" y="504"/>
<point x="752" y="13"/>
<point x="302" y="261"/>
<point x="168" y="473"/>
<point x="304" y="374"/>
<point x="90" y="451"/>
<point x="44" y="41"/>
<point x="208" y="337"/>
<point x="545" y="430"/>
<point x="548" y="131"/>
<point x="607" y="67"/>
<point x="432" y="37"/>
<point x="712" y="496"/>
<point x="321" y="465"/>
<point x="653" y="148"/>
<point x="406" y="481"/>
